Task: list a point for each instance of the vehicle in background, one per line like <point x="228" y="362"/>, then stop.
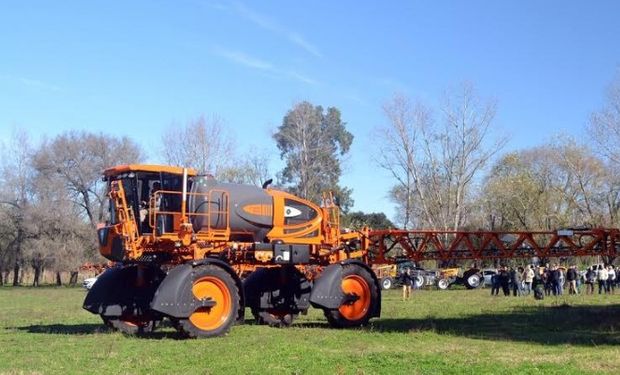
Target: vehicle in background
<point x="487" y="275"/>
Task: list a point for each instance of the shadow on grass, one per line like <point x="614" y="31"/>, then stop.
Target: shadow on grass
<point x="91" y="329"/>
<point x="564" y="324"/>
<point x="576" y="325"/>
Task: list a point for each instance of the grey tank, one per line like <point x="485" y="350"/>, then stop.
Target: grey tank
<point x="245" y="226"/>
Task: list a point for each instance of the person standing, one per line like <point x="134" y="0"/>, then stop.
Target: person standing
<point x="504" y="278"/>
<point x="495" y="284"/>
<point x="611" y="279"/>
<point x="406" y="280"/>
<point x="590" y="280"/>
<point x="571" y="278"/>
<point x="602" y="277"/>
<point x="528" y="276"/>
<point x="547" y="280"/>
<point x="515" y="280"/>
<point x="556" y="284"/>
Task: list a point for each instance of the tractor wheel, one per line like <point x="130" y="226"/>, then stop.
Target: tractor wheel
<point x="274" y="318"/>
<point x="130" y="325"/>
<point x="443" y="284"/>
<point x="361" y="296"/>
<point x="418" y="282"/>
<point x="214" y="285"/>
<point x="387" y="283"/>
<point x="472" y="280"/>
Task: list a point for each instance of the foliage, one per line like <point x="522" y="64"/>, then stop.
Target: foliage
<point x="373" y="220"/>
<point x="312" y="143"/>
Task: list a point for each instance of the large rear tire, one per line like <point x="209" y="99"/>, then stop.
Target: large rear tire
<point x="361" y="298"/>
<point x="214" y="285"/>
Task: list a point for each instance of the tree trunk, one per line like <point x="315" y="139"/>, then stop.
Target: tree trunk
<point x="1" y="279"/>
<point x="16" y="274"/>
<point x="58" y="279"/>
<point x="73" y="278"/>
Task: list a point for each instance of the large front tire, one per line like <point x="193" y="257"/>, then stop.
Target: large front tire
<point x="216" y="287"/>
<point x="360" y="300"/>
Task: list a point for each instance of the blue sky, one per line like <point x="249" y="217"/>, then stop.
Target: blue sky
<point x="132" y="68"/>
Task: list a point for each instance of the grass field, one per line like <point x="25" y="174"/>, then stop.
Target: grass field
<point x="44" y="330"/>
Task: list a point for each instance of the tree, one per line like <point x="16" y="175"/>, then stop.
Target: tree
<point x="201" y="144"/>
<point x="78" y="159"/>
<point x="435" y="166"/>
<point x="373" y="220"/>
<point x="312" y="142"/>
<point x="15" y="200"/>
<point x="252" y="169"/>
<point x="604" y="126"/>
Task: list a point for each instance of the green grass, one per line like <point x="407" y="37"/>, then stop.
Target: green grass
<point x="44" y="330"/>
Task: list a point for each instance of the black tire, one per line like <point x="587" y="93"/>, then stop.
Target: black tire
<point x="387" y="283"/>
<point x="472" y="279"/>
<point x="418" y="281"/>
<point x="357" y="312"/>
<point x="443" y="284"/>
<point x="216" y="320"/>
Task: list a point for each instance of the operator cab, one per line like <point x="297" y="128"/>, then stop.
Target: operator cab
<point x="153" y="195"/>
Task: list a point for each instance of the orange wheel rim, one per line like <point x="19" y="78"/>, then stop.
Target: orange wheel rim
<point x="210" y="318"/>
<point x="357" y="286"/>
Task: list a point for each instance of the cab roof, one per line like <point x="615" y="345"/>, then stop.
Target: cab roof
<point x="113" y="171"/>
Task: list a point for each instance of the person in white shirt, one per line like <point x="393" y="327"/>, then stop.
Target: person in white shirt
<point x="611" y="279"/>
<point x="602" y="276"/>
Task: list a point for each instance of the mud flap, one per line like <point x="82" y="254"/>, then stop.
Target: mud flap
<point x="174" y="296"/>
<point x="327" y="290"/>
<point x="115" y="293"/>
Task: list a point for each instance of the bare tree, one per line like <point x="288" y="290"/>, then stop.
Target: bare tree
<point x="202" y="144"/>
<point x="436" y="165"/>
<point x="78" y="159"/>
<point x="16" y="198"/>
<point x="252" y="169"/>
<point x="604" y="126"/>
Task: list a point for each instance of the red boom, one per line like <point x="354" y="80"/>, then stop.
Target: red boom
<point x="421" y="245"/>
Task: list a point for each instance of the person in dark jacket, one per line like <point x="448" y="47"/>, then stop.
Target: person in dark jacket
<point x="556" y="280"/>
<point x="538" y="284"/>
<point x="504" y="278"/>
<point x="406" y="280"/>
<point x="571" y="279"/>
<point x="515" y="281"/>
<point x="590" y="280"/>
<point x="495" y="283"/>
<point x="547" y="280"/>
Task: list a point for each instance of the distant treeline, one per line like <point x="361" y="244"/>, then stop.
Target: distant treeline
<point x="447" y="164"/>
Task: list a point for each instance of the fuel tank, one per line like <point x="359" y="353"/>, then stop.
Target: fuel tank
<point x="252" y="213"/>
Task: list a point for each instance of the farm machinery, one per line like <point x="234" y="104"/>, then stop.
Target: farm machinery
<point x="198" y="252"/>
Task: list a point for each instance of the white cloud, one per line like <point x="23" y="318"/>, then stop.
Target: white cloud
<point x="244" y="59"/>
<point x="303" y="78"/>
<point x="270" y="24"/>
<point x="301" y="42"/>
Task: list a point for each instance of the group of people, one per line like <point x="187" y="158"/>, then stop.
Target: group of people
<point x="518" y="280"/>
<point x="552" y="280"/>
<point x="605" y="276"/>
